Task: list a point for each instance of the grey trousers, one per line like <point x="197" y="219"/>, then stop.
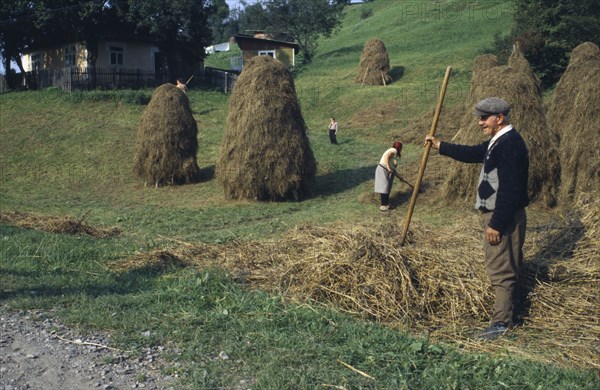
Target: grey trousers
<point x="503" y="262"/>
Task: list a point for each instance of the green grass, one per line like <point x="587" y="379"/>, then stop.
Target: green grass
<point x="268" y="342"/>
<point x="64" y="154"/>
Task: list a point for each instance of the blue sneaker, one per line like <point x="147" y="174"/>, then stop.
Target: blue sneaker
<point x="493" y="331"/>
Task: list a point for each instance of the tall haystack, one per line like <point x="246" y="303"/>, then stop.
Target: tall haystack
<point x="265" y="152"/>
<point x="374" y="64"/>
<point x="167" y="143"/>
<point x="517" y="86"/>
<point x="518" y="62"/>
<point x="574" y="113"/>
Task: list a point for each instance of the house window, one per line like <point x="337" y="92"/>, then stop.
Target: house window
<point x="35" y="62"/>
<point x="267" y="53"/>
<point x="116" y="55"/>
<point x="69" y="52"/>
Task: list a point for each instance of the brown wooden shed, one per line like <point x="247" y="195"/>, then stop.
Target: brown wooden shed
<point x="260" y="44"/>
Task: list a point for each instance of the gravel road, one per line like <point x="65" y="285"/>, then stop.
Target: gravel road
<point x="37" y="352"/>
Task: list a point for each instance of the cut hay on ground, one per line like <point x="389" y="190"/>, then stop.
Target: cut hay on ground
<point x="51" y="224"/>
<point x="265" y="152"/>
<point x="167" y="140"/>
<point x="574" y="114"/>
<point x="374" y="64"/>
<point x="436" y="285"/>
<point x="515" y="85"/>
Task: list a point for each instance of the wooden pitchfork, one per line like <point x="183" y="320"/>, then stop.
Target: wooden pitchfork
<point x="417" y="185"/>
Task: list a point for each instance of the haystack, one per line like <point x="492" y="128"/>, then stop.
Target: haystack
<point x="265" y="152"/>
<point x="374" y="64"/>
<point x="517" y="86"/>
<point x="574" y="114"/>
<point x="167" y="143"/>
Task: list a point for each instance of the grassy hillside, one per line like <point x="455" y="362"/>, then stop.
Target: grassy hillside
<point x="71" y="155"/>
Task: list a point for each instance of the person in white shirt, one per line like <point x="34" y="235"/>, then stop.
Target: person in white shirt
<point x="333" y="129"/>
<point x="384" y="174"/>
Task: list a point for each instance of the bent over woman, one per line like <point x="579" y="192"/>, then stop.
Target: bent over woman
<point x="384" y="175"/>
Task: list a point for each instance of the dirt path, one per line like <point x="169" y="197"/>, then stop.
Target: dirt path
<point x="43" y="354"/>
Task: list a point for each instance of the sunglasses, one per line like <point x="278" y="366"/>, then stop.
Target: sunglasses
<point x="485" y="117"/>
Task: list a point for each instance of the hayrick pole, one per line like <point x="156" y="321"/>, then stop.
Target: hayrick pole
<point x="417" y="185"/>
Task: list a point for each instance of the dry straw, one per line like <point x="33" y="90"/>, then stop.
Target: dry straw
<point x="167" y="140"/>
<point x="51" y="224"/>
<point x="436" y="285"/>
<point x="374" y="64"/>
<point x="265" y="152"/>
<point x="574" y="113"/>
<point x="515" y="84"/>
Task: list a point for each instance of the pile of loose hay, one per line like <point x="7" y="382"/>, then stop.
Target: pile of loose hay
<point x="167" y="143"/>
<point x="52" y="224"/>
<point x="361" y="271"/>
<point x="265" y="152"/>
<point x="435" y="285"/>
<point x="374" y="64"/>
<point x="573" y="114"/>
<point x="517" y="86"/>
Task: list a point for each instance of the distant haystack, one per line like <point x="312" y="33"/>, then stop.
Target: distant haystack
<point x="521" y="91"/>
<point x="574" y="114"/>
<point x="167" y="143"/>
<point x="518" y="62"/>
<point x="265" y="152"/>
<point x="374" y="64"/>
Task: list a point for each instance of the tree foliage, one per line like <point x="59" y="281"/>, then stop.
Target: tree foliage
<point x="548" y="30"/>
<point x="17" y="26"/>
<point x="217" y="21"/>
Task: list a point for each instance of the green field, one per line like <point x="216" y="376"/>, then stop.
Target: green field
<point x="71" y="155"/>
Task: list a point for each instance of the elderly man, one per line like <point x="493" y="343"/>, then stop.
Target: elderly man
<point x="501" y="199"/>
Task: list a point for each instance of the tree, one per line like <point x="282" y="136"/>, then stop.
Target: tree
<point x="219" y="15"/>
<point x="548" y="30"/>
<point x="17" y="25"/>
<point x="301" y="21"/>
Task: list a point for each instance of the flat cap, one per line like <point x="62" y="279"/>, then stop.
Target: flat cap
<point x="491" y="106"/>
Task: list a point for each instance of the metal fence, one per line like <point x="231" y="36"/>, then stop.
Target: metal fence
<point x="220" y="78"/>
<point x="71" y="79"/>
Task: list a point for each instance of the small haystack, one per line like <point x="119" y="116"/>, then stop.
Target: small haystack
<point x="167" y="143"/>
<point x="265" y="152"/>
<point x="521" y="91"/>
<point x="374" y="64"/>
<point x="574" y="114"/>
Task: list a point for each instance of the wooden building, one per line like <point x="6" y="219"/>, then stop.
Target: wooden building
<point x="260" y="44"/>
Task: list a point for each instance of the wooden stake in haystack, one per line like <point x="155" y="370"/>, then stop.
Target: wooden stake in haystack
<point x="417" y="185"/>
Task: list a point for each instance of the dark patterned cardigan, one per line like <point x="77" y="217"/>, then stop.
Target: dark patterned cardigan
<point x="503" y="181"/>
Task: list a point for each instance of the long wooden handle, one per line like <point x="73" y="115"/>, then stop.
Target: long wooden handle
<point x="417" y="185"/>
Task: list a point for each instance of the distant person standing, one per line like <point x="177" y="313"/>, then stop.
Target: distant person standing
<point x="501" y="200"/>
<point x="384" y="174"/>
<point x="333" y="129"/>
